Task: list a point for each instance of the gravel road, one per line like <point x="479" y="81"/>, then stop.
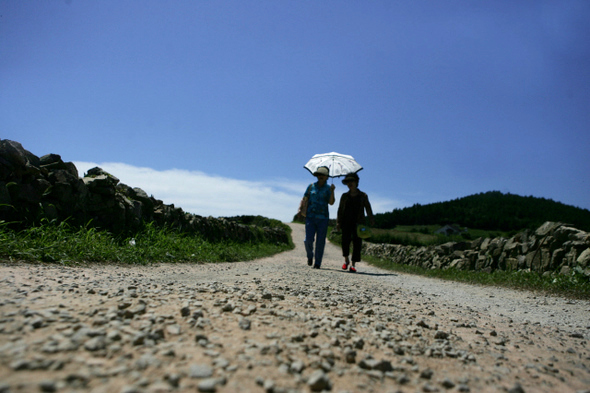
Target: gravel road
<point x="276" y="325"/>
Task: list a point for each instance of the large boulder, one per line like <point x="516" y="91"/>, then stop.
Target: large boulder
<point x="15" y="161"/>
<point x="583" y="260"/>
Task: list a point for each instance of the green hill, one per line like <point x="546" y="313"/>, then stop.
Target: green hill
<point x="490" y="211"/>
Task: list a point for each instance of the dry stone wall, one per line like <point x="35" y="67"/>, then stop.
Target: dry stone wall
<point x="35" y="188"/>
<point x="553" y="248"/>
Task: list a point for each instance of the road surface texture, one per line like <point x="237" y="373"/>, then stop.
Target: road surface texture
<point x="277" y="325"/>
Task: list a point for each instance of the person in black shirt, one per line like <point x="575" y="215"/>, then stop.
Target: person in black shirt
<point x="351" y="213"/>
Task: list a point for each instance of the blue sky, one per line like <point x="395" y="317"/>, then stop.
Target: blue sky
<point x="215" y="106"/>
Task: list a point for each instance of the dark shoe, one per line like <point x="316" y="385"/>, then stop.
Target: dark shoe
<point x="316" y="267"/>
<point x="352" y="269"/>
<point x="309" y="262"/>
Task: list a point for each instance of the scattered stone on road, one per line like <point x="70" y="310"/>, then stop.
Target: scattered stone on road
<point x="276" y="325"/>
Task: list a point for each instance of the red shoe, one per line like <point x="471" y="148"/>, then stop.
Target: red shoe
<point x="345" y="267"/>
<point x="352" y="269"/>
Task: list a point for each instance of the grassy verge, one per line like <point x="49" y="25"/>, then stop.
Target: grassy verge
<point x="574" y="286"/>
<point x="60" y="243"/>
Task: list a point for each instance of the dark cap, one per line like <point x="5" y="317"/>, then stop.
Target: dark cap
<point x="351" y="177"/>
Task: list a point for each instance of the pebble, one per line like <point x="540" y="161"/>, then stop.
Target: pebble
<point x="208" y="385"/>
<point x="319" y="381"/>
<point x="200" y="371"/>
<point x="47" y="386"/>
<point x="245" y="324"/>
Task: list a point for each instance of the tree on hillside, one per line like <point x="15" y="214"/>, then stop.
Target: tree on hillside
<point x="490" y="211"/>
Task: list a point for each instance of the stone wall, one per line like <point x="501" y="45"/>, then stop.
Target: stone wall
<point x="36" y="188"/>
<point x="553" y="247"/>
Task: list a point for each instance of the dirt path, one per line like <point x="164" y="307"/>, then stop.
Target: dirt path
<point x="276" y="325"/>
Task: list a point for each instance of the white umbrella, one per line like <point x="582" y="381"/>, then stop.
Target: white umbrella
<point x="338" y="164"/>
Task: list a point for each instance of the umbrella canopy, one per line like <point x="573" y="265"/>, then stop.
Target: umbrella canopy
<point x="338" y="164"/>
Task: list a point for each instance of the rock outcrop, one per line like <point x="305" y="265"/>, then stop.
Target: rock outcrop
<point x="553" y="248"/>
<point x="34" y="188"/>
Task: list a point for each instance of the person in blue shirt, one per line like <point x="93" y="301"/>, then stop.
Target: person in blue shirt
<point x="317" y="195"/>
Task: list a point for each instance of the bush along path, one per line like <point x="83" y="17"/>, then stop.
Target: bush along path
<point x="275" y="325"/>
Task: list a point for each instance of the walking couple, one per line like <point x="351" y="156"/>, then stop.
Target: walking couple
<point x="351" y="213"/>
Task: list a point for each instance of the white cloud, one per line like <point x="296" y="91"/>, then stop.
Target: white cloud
<point x="384" y="205"/>
<point x="206" y="195"/>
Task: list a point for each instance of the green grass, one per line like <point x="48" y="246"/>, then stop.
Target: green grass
<point x="574" y="286"/>
<point x="423" y="235"/>
<point x="60" y="243"/>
